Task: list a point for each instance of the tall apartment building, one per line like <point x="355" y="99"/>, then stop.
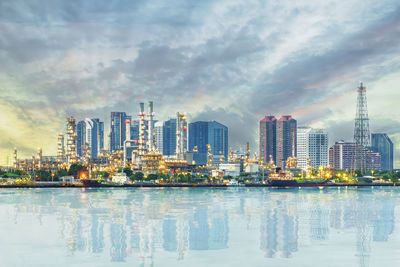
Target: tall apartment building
<point x="313" y="144"/>
<point x="268" y="138"/>
<point x="286" y="134"/>
<point x="278" y="139"/>
<point x="382" y="144"/>
<point x="213" y="133"/>
<point x="347" y="155"/>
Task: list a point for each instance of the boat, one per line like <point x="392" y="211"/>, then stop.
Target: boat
<point x="91" y="183"/>
<point x="233" y="183"/>
<point x="281" y="182"/>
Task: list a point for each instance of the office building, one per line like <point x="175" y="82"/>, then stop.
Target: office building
<point x="382" y="144"/>
<point x="202" y="133"/>
<point x="90" y="137"/>
<point x="117" y="130"/>
<point x="80" y="137"/>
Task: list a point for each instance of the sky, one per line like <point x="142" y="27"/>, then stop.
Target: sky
<point x="229" y="61"/>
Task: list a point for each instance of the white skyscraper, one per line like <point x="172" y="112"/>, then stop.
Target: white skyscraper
<point x="159" y="132"/>
<point x="312" y="143"/>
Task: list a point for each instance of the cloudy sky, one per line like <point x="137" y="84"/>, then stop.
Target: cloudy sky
<point x="230" y="61"/>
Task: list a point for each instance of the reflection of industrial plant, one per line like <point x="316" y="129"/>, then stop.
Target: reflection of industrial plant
<point x="138" y="223"/>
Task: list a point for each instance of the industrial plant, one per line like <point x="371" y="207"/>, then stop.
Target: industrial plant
<point x="176" y="148"/>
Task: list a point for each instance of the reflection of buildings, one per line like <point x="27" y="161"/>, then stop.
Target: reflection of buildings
<point x="136" y="225"/>
<point x="279" y="233"/>
<point x="384" y="222"/>
<point x="319" y="226"/>
<point x="208" y="236"/>
<point x="169" y="234"/>
<point x="118" y="242"/>
<point x="97" y="235"/>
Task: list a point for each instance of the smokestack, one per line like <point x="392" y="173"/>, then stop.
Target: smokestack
<point x="141" y="108"/>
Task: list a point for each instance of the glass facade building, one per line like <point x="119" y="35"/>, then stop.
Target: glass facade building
<point x="117" y="131"/>
<point x="382" y="144"/>
<point x="213" y="133"/>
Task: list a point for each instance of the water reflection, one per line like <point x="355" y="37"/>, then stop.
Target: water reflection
<point x="141" y="224"/>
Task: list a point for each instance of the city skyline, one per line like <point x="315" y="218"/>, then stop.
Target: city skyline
<point x="225" y="61"/>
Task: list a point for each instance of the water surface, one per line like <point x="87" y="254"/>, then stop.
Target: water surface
<point x="200" y="227"/>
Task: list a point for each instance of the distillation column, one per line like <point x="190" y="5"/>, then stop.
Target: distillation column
<point x="71" y="141"/>
<point x="150" y="134"/>
<point x="181" y="129"/>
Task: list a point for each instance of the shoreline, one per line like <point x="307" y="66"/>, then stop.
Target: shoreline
<point x="59" y="185"/>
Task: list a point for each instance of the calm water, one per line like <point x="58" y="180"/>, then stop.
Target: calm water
<point x="200" y="227"/>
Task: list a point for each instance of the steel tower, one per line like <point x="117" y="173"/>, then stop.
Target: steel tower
<point x="361" y="123"/>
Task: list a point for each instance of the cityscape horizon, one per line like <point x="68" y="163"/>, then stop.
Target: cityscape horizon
<point x="106" y="135"/>
<point x="215" y="67"/>
<point x="199" y="133"/>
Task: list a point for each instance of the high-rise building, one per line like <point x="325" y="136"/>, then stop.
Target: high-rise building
<point x="286" y="134"/>
<point x="81" y="137"/>
<point x="94" y="136"/>
<point x="313" y="144"/>
<point x="203" y="133"/>
<point x="117" y="131"/>
<point x="159" y="133"/>
<point x="169" y="137"/>
<point x="268" y="138"/>
<point x="90" y="137"/>
<point x="382" y="144"/>
<point x="346" y="155"/>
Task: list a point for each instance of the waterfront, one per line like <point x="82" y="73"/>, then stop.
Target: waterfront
<point x="200" y="226"/>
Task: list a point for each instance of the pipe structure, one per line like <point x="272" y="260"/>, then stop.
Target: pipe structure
<point x="150" y="116"/>
<point x="142" y="128"/>
<point x="181" y="128"/>
<point x="71" y="141"/>
<point x="60" y="147"/>
<point x="15" y="158"/>
<point x="39" y="158"/>
<point x="126" y="142"/>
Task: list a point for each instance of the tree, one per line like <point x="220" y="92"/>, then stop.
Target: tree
<point x="162" y="176"/>
<point x="138" y="176"/>
<point x="152" y="177"/>
<point x="43" y="175"/>
<point x="128" y="172"/>
<point x="62" y="172"/>
<point x="75" y="169"/>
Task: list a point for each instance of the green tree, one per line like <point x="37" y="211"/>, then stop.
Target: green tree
<point x="43" y="175"/>
<point x="75" y="169"/>
<point x="162" y="176"/>
<point x="128" y="172"/>
<point x="62" y="172"/>
<point x="138" y="176"/>
<point x="152" y="177"/>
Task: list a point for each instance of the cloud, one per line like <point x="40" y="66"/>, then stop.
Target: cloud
<point x="229" y="61"/>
